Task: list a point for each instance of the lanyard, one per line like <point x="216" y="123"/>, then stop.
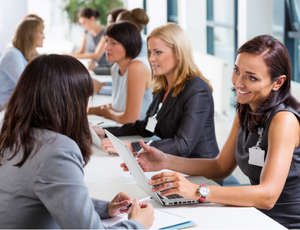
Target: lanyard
<point x="159" y="107"/>
<point x="260" y="132"/>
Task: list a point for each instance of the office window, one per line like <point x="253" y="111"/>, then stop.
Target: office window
<point x="172" y="13"/>
<point x="278" y="20"/>
<point x="145" y="8"/>
<point x="292" y="35"/>
<point x="222" y="29"/>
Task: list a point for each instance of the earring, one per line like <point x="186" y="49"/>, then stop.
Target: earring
<point x="274" y="90"/>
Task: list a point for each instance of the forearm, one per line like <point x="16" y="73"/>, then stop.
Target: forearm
<point x="121" y="117"/>
<point x="95" y="110"/>
<point x="86" y="56"/>
<point x="257" y="196"/>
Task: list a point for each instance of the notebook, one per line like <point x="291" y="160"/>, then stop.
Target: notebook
<point x="95" y="137"/>
<point x="142" y="179"/>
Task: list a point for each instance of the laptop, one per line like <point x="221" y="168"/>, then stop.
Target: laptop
<point x="142" y="179"/>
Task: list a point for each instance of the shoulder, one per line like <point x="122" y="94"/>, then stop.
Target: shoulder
<point x="13" y="53"/>
<point x="139" y="63"/>
<point x="55" y="146"/>
<point x="196" y="85"/>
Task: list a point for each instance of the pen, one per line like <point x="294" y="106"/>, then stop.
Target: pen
<point x="140" y="201"/>
<point x="141" y="150"/>
<point x="100" y="123"/>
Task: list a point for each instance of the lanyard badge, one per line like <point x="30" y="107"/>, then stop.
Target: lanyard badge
<point x="256" y="154"/>
<point x="152" y="121"/>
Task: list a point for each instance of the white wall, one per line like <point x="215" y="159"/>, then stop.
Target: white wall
<point x="192" y="18"/>
<point x="11" y="12"/>
<point x="157" y="12"/>
<point x="255" y="17"/>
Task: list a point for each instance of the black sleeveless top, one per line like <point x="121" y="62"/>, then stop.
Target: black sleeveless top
<point x="287" y="208"/>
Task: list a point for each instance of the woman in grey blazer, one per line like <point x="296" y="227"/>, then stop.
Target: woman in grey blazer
<point x="44" y="143"/>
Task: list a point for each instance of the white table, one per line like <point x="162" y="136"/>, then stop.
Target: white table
<point x="104" y="182"/>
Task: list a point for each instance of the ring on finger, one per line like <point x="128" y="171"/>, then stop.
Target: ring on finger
<point x="169" y="183"/>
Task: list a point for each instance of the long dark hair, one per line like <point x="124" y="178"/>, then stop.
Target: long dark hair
<point x="128" y="34"/>
<point x="277" y="60"/>
<point x="52" y="93"/>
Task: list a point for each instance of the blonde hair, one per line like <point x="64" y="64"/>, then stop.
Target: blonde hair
<point x="26" y="35"/>
<point x="175" y="38"/>
<point x="137" y="16"/>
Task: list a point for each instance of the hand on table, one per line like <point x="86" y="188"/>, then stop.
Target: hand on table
<point x="150" y="160"/>
<point x="107" y="146"/>
<point x="122" y="200"/>
<point x="142" y="212"/>
<point x="178" y="183"/>
<point x="98" y="85"/>
<point x="100" y="132"/>
<point x="91" y="66"/>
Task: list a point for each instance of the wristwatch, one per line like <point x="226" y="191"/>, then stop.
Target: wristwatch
<point x="203" y="192"/>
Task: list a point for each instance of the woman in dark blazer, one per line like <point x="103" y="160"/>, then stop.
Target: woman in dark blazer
<point x="182" y="111"/>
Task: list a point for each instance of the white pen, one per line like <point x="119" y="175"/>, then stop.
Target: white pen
<point x="141" y="150"/>
<point x="140" y="201"/>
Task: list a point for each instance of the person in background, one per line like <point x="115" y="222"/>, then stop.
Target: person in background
<point x="113" y="14"/>
<point x="140" y="18"/>
<point x="182" y="111"/>
<point x="29" y="35"/>
<point x="263" y="142"/>
<point x="132" y="89"/>
<point x="45" y="142"/>
<point x="93" y="40"/>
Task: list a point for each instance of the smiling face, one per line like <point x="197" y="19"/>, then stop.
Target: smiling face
<point x="115" y="51"/>
<point x="251" y="80"/>
<point x="162" y="58"/>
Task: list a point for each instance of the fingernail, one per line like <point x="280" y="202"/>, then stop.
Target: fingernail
<point x="153" y="190"/>
<point x="150" y="182"/>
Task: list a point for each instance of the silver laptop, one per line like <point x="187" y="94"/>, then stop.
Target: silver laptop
<point x="142" y="180"/>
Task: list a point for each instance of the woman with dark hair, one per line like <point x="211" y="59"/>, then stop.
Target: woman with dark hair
<point x="93" y="38"/>
<point x="44" y="143"/>
<point x="263" y="142"/>
<point x="113" y="14"/>
<point x="28" y="36"/>
<point x="131" y="90"/>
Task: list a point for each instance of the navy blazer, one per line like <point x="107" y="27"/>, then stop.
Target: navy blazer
<point x="185" y="122"/>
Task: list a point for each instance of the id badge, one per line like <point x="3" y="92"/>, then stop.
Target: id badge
<point x="256" y="156"/>
<point x="151" y="124"/>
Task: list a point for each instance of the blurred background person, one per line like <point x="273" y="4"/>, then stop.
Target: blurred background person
<point x="28" y="35"/>
<point x="93" y="40"/>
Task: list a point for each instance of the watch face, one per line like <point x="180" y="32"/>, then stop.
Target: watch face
<point x="204" y="191"/>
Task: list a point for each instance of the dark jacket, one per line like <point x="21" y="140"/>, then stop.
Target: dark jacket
<point x="185" y="122"/>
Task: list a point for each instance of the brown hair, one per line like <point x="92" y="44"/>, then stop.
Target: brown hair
<point x="26" y="35"/>
<point x="88" y="13"/>
<point x="175" y="38"/>
<point x="33" y="16"/>
<point x="115" y="12"/>
<point x="277" y="60"/>
<point x="52" y="93"/>
<point x="137" y="16"/>
<point x="128" y="35"/>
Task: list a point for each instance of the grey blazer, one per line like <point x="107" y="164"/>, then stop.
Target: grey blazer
<point x="48" y="191"/>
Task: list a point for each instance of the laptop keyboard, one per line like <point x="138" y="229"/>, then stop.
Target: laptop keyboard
<point x="172" y="196"/>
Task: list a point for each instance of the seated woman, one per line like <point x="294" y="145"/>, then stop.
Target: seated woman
<point x="43" y="151"/>
<point x="182" y="111"/>
<point x="28" y="36"/>
<point x="140" y="18"/>
<point x="113" y="14"/>
<point x="263" y="142"/>
<point x="132" y="91"/>
<point x="93" y="38"/>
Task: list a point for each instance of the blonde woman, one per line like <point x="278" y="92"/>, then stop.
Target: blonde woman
<point x="28" y="36"/>
<point x="182" y="110"/>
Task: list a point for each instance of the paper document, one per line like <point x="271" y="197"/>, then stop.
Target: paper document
<point x="162" y="220"/>
<point x="95" y="120"/>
